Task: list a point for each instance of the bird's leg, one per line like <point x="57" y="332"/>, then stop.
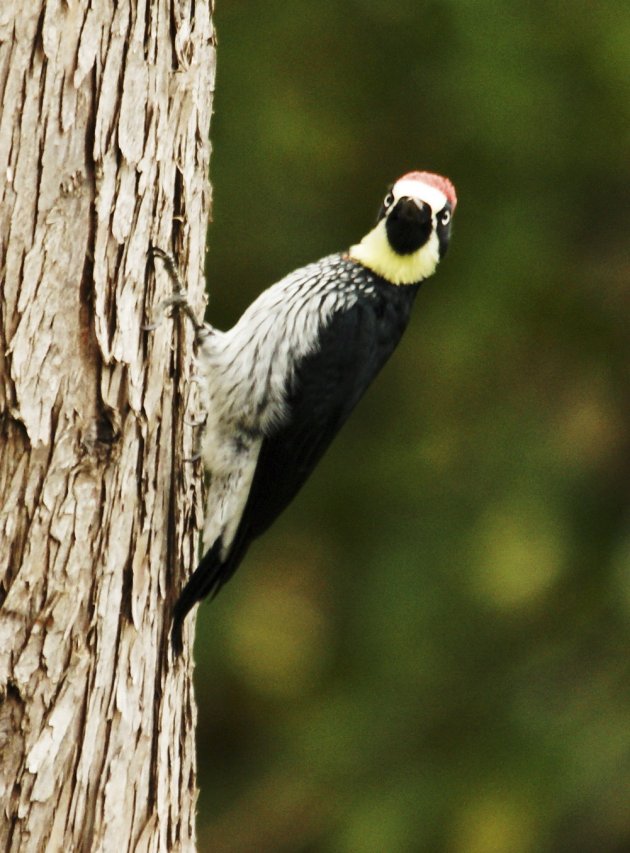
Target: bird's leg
<point x="179" y="301"/>
<point x="197" y="424"/>
<point x="179" y="298"/>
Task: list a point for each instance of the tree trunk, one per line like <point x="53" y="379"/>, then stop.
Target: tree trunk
<point x="103" y="150"/>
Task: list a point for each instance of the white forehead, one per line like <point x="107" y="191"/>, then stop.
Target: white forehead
<point x="434" y="197"/>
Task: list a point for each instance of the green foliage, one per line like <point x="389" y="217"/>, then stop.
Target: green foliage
<point x="430" y="650"/>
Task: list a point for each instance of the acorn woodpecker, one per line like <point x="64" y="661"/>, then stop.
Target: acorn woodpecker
<point x="279" y="384"/>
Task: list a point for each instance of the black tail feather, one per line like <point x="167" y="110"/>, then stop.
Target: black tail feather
<point x="206" y="580"/>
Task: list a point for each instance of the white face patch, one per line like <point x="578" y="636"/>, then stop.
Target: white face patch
<point x="411" y="188"/>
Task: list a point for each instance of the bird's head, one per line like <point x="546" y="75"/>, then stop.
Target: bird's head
<point x="412" y="231"/>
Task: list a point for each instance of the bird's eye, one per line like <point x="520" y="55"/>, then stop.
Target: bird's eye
<point x="445" y="217"/>
<point x="389" y="200"/>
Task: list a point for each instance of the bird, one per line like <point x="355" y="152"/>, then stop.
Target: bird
<point x="278" y="385"/>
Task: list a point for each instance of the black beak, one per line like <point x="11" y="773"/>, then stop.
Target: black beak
<point x="408" y="225"/>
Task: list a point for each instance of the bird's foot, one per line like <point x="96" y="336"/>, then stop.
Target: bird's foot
<point x="196" y="422"/>
<point x="178" y="301"/>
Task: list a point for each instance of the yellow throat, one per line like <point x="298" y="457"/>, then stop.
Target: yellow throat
<point x="375" y="253"/>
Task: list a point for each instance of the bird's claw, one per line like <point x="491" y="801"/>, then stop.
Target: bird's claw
<point x="196" y="422"/>
<point x="178" y="300"/>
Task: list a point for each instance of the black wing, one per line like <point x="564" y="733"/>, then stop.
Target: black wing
<point x="327" y="386"/>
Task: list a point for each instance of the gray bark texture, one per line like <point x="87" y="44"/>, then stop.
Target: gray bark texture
<point x="103" y="151"/>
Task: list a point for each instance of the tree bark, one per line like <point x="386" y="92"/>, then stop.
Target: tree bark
<point x="103" y="151"/>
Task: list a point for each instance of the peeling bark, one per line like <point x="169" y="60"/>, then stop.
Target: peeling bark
<point x="103" y="150"/>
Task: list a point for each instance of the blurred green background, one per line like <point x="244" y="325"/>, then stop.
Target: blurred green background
<point x="431" y="649"/>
